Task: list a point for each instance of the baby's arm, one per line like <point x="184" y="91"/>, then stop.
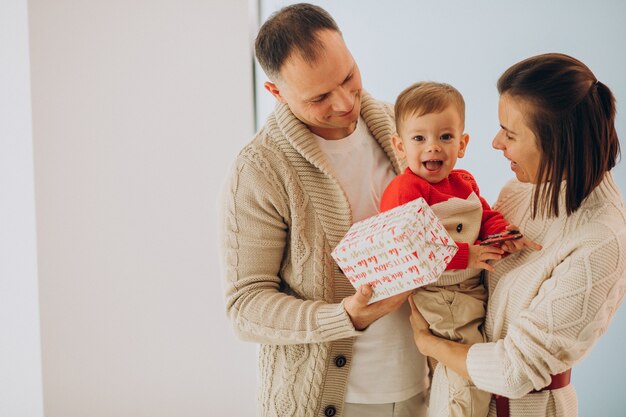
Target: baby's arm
<point x="492" y="222"/>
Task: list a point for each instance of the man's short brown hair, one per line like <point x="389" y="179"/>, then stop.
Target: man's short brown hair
<point x="291" y="29"/>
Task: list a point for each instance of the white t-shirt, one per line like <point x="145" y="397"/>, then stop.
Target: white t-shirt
<point x="386" y="365"/>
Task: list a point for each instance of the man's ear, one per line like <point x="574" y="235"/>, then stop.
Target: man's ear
<point x="398" y="145"/>
<point x="275" y="91"/>
<point x="463" y="144"/>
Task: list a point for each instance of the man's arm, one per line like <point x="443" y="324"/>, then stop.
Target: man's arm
<point x="254" y="240"/>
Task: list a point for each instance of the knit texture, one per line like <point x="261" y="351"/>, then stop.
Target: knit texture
<point x="283" y="213"/>
<point x="547" y="309"/>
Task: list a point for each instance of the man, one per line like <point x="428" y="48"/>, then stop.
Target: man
<point x="319" y="164"/>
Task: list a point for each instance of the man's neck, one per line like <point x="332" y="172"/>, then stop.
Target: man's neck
<point x="334" y="133"/>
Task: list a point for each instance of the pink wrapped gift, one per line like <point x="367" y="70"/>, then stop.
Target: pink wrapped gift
<point x="396" y="251"/>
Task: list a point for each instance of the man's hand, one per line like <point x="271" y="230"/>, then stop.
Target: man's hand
<point x="479" y="255"/>
<point x="362" y="315"/>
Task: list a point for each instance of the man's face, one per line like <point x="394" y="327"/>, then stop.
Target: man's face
<point x="325" y="95"/>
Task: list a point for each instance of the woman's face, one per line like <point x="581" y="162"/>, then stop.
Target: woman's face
<point x="516" y="140"/>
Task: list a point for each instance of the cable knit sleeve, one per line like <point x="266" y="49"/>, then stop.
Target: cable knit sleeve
<point x="572" y="307"/>
<point x="254" y="239"/>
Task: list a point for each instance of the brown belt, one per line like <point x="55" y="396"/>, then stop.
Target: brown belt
<point x="558" y="381"/>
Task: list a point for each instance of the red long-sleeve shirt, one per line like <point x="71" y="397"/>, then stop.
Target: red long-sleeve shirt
<point x="442" y="198"/>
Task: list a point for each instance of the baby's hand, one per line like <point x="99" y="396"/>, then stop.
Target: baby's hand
<point x="479" y="255"/>
<point x="513" y="246"/>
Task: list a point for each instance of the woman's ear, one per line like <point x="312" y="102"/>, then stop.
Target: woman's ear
<point x="398" y="145"/>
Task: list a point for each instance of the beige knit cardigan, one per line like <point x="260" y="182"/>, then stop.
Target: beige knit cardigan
<point x="283" y="213"/>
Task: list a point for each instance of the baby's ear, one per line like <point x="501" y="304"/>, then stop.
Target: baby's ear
<point x="398" y="145"/>
<point x="463" y="144"/>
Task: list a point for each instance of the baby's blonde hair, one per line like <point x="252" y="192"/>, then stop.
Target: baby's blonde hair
<point x="427" y="97"/>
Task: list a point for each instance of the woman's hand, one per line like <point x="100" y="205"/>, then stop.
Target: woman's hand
<point x="512" y="246"/>
<point x="421" y="331"/>
<point x="451" y="354"/>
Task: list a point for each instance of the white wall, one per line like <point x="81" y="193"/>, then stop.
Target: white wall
<point x="20" y="354"/>
<point x="138" y="108"/>
<point x="469" y="44"/>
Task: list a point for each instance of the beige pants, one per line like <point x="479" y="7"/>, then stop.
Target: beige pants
<point x="455" y="312"/>
<point x="416" y="406"/>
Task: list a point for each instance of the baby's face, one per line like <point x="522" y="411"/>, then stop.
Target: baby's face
<point x="433" y="142"/>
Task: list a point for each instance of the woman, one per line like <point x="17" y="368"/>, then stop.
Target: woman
<point x="547" y="308"/>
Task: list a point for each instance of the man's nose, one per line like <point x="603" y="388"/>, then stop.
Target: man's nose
<point x="343" y="100"/>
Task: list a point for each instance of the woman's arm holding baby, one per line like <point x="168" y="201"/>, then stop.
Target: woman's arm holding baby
<point x="452" y="354"/>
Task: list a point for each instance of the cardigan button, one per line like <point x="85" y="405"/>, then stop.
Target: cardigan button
<point x="340" y="361"/>
<point x="330" y="411"/>
<point x="459" y="227"/>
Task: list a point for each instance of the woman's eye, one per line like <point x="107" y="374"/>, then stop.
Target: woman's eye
<point x="506" y="134"/>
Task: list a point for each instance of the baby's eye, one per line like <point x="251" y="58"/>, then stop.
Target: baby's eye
<point x="418" y="138"/>
<point x="447" y="136"/>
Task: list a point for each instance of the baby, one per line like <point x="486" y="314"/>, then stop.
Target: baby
<point x="430" y="123"/>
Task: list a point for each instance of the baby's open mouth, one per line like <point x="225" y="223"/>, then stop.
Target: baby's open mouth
<point x="433" y="164"/>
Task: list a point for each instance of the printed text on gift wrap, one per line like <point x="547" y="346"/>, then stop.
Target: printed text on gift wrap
<point x="396" y="251"/>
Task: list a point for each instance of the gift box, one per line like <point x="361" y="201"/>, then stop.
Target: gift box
<point x="396" y="251"/>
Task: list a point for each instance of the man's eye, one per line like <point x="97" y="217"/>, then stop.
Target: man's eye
<point x="319" y="99"/>
<point x="418" y="138"/>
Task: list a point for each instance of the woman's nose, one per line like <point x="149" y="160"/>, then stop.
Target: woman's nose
<point x="496" y="142"/>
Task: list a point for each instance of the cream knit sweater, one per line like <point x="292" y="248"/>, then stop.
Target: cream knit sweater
<point x="547" y="309"/>
<point x="283" y="214"/>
